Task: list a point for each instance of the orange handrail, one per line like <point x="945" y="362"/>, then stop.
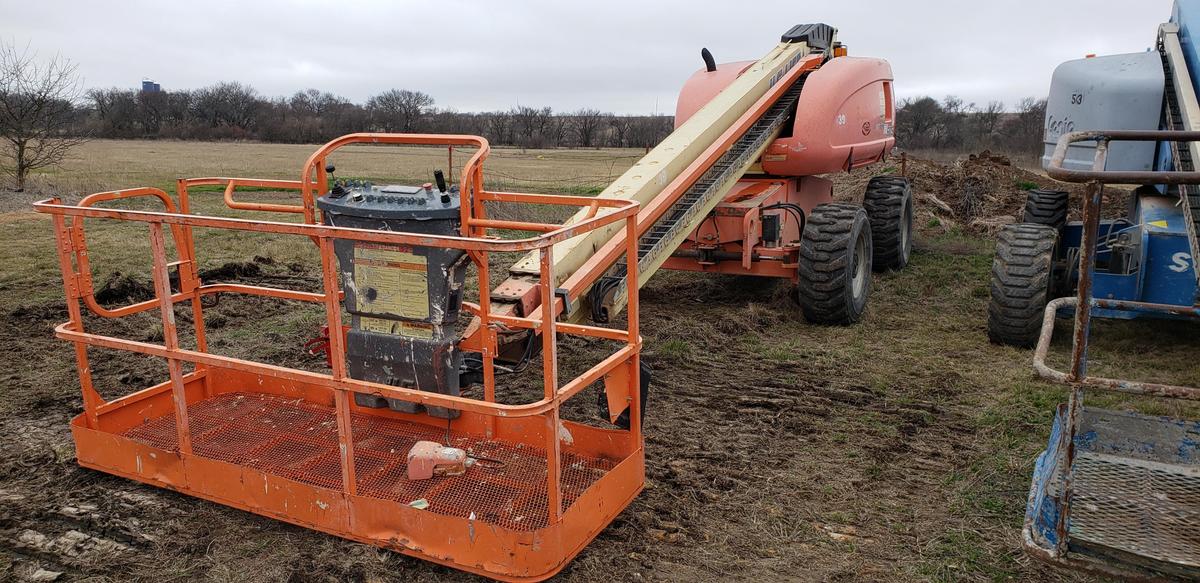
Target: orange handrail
<point x="568" y="519"/>
<point x="232" y="184"/>
<point x="183" y="248"/>
<point x="471" y="180"/>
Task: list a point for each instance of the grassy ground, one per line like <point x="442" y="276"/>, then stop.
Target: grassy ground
<point x="103" y="164"/>
<point x="897" y="449"/>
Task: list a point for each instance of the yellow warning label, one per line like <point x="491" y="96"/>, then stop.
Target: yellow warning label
<point x="416" y="330"/>
<point x="378" y="325"/>
<point x="391" y="281"/>
<point x="396" y="327"/>
<point x="1159" y="224"/>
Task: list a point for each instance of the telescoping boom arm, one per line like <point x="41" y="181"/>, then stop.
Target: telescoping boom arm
<point x="678" y="182"/>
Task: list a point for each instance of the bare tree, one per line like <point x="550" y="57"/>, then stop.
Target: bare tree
<point x="557" y="128"/>
<point x="588" y="124"/>
<point x="152" y="108"/>
<point x="37" y="104"/>
<point x="620" y="127"/>
<point x="987" y="120"/>
<point x="116" y="111"/>
<point x="399" y="110"/>
<point x="918" y="121"/>
<point x="1025" y="128"/>
<point x="227" y="105"/>
<point x="531" y="125"/>
<point x="648" y="130"/>
<point x="954" y="116"/>
<point x="499" y="127"/>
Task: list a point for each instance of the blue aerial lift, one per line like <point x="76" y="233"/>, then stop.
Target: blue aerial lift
<point x="1114" y="492"/>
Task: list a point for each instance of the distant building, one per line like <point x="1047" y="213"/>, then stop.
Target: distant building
<point x="149" y="86"/>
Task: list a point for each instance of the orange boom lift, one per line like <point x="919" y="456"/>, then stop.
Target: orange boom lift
<point x="385" y="448"/>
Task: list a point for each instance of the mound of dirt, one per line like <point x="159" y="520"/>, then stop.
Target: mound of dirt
<point x="979" y="193"/>
<point x="123" y="288"/>
<point x="233" y="270"/>
<point x="975" y="194"/>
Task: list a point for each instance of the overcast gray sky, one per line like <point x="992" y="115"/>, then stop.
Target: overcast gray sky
<point x="615" y="55"/>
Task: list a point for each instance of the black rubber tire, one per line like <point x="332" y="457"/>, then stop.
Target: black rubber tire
<point x="1046" y="207"/>
<point x="835" y="264"/>
<point x="889" y="204"/>
<point x="1022" y="278"/>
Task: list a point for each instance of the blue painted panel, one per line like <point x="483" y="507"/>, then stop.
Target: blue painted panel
<point x="1168" y="267"/>
<point x="1109" y="286"/>
<point x="1160" y="214"/>
<point x="1186" y="14"/>
<point x="1139" y="438"/>
<point x="1072" y="234"/>
<point x="1042" y="509"/>
<point x="1169" y="271"/>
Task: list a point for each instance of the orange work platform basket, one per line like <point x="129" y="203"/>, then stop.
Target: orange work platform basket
<point x="293" y="444"/>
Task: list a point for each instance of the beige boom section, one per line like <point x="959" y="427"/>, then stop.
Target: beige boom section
<point x="1189" y="111"/>
<point x="647" y="179"/>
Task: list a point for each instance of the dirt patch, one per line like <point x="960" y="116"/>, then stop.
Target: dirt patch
<point x="233" y="270"/>
<point x="124" y="288"/>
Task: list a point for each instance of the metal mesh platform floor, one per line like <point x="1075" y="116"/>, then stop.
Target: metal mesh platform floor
<point x="1137" y="486"/>
<point x="298" y="440"/>
<point x="1149" y="509"/>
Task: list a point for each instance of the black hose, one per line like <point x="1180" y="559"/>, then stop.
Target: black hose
<point x="710" y="64"/>
<point x="473" y="361"/>
<point x="599" y="291"/>
<point x="794" y="209"/>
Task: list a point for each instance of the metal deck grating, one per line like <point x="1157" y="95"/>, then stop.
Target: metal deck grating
<point x="1147" y="508"/>
<point x="296" y="439"/>
<point x="1135" y="492"/>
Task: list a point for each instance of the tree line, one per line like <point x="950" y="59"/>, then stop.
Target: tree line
<point x="44" y="112"/>
<point x="952" y="125"/>
<point x="231" y="110"/>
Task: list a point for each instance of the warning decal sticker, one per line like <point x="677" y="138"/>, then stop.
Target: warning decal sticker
<point x="388" y="280"/>
<point x="396" y="327"/>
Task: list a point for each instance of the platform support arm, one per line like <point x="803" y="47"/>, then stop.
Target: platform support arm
<point x="162" y="293"/>
<point x="337" y="356"/>
<point x="1083" y="324"/>
<point x="550" y="380"/>
<point x="63" y="244"/>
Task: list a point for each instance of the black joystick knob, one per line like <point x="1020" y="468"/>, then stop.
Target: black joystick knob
<point x="338" y="190"/>
<point x="440" y="179"/>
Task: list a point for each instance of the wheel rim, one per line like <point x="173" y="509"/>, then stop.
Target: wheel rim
<point x="859" y="281"/>
<point x="906" y="230"/>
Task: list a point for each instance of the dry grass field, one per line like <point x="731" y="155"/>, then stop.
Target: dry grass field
<point x="898" y="449"/>
<point x="103" y="164"/>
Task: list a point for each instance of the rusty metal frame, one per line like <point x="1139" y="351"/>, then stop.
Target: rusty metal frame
<point x="1083" y="303"/>
<point x="1096" y="178"/>
<point x="623" y="362"/>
